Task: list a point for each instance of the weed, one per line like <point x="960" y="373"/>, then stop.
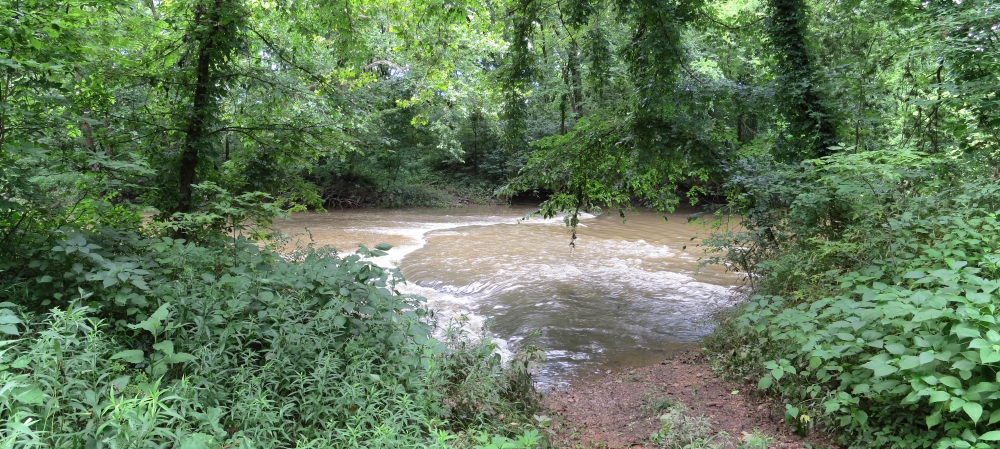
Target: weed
<point x="679" y="429"/>
<point x="656" y="403"/>
<point x="755" y="440"/>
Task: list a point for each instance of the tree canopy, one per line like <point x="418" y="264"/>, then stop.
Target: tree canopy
<point x="595" y="102"/>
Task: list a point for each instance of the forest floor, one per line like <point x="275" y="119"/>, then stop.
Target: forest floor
<point x="621" y="409"/>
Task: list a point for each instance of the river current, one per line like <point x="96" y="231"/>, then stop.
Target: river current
<point x="627" y="294"/>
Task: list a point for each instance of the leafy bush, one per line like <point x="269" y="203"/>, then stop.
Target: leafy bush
<point x="878" y="314"/>
<point x="479" y="388"/>
<point x="169" y="343"/>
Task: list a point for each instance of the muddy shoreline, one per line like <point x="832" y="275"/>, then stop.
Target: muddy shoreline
<point x="620" y="407"/>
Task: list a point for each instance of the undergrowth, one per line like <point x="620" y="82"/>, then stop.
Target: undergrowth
<point x="874" y="310"/>
<point x="126" y="336"/>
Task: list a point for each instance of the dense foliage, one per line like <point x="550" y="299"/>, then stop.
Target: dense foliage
<point x="875" y="304"/>
<point x="155" y="341"/>
<point x="145" y="147"/>
<point x="872" y="270"/>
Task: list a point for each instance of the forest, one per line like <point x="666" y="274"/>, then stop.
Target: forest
<point x="147" y="146"/>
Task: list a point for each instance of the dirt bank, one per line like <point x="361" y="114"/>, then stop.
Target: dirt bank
<point x="621" y="409"/>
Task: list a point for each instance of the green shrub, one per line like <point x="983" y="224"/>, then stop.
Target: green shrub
<point x="882" y="323"/>
<point x="224" y="343"/>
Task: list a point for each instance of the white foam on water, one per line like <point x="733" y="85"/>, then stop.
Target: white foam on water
<point x="446" y="306"/>
<point x="460" y="277"/>
<point x="417" y="231"/>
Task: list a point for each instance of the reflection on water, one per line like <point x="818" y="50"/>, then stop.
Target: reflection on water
<point x="626" y="294"/>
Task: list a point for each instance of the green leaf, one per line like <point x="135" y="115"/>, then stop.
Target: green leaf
<point x="198" y="441"/>
<point x="180" y="357"/>
<point x="974" y="410"/>
<point x="951" y="381"/>
<point x="964" y="365"/>
<point x="21" y="362"/>
<point x="990" y="436"/>
<point x="939" y="396"/>
<point x="909" y="362"/>
<point x="880" y="368"/>
<point x="885" y="385"/>
<point x="29" y="395"/>
<point x="383" y="246"/>
<point x="988" y="355"/>
<point x="927" y="314"/>
<point x="933" y="419"/>
<point x="166" y="347"/>
<point x="131" y="356"/>
<point x="845" y="336"/>
<point x="978" y="343"/>
<point x="139" y="283"/>
<point x="994" y="417"/>
<point x="964" y="330"/>
<point x="154" y="324"/>
<point x="993" y="336"/>
<point x="765" y="382"/>
<point x="895" y="348"/>
<point x="121" y="382"/>
<point x="979" y="298"/>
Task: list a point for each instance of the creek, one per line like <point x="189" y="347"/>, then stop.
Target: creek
<point x="627" y="294"/>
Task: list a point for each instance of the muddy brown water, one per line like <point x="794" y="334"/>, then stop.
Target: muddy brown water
<point x="626" y="294"/>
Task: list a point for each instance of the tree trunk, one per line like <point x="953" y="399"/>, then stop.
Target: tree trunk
<point x="203" y="104"/>
<point x="810" y="122"/>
